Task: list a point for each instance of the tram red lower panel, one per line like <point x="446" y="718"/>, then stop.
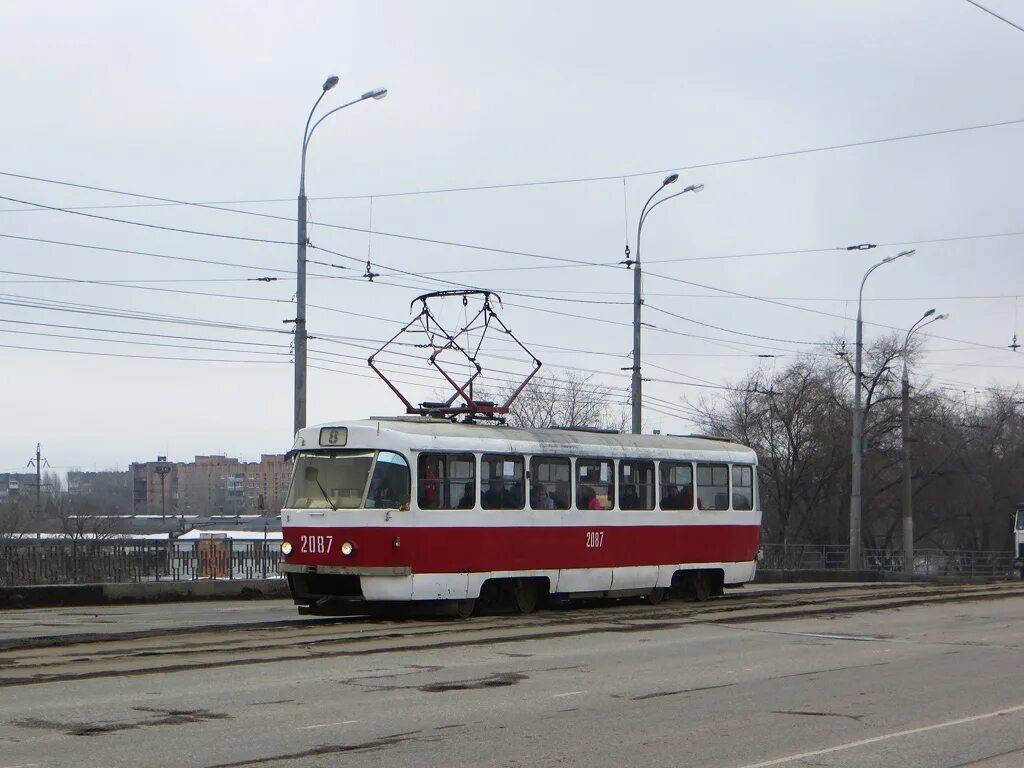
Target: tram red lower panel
<point x="453" y="550"/>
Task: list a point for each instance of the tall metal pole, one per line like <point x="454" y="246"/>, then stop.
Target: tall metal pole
<point x="856" y="447"/>
<point x="636" y="385"/>
<point x="39" y="483"/>
<point x="300" y="310"/>
<point x="857" y="438"/>
<point x="908" y="491"/>
<point x="301" y="238"/>
<point x="299" y="420"/>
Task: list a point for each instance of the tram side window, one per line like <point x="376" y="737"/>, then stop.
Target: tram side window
<point x="676" y="485"/>
<point x="742" y="488"/>
<point x="712" y="487"/>
<point x="389" y="486"/>
<point x="595" y="484"/>
<point x="636" y="485"/>
<point x="447" y="481"/>
<point x="501" y="482"/>
<point x="549" y="482"/>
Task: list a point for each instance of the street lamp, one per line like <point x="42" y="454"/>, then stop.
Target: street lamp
<point x="300" y="291"/>
<point x="908" y="498"/>
<point x="857" y="440"/>
<point x="162" y="468"/>
<point x="637" y="382"/>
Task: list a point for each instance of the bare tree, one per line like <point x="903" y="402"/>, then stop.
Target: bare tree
<point x="567" y="399"/>
<point x="15" y="514"/>
<point x="967" y="459"/>
<point x="795" y="420"/>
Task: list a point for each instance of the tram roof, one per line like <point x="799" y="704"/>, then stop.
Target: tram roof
<point x="414" y="431"/>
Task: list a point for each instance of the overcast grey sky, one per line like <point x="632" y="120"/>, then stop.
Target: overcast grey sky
<point x="205" y="101"/>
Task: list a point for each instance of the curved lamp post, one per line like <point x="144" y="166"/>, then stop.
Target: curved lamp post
<point x="637" y="380"/>
<point x="857" y="441"/>
<point x="908" y="497"/>
<point x="300" y="291"/>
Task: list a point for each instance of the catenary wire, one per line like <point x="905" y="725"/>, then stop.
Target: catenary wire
<point x="551" y="182"/>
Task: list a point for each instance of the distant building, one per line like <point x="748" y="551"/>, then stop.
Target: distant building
<point x="210" y="485"/>
<point x="113" y="487"/>
<point x="17" y="483"/>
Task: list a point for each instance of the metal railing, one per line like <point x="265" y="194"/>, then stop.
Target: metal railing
<point x="927" y="562"/>
<point x="76" y="561"/>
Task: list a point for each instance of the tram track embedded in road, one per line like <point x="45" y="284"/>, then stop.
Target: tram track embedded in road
<point x="195" y="649"/>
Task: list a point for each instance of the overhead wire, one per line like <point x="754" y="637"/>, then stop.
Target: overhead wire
<point x="557" y="181"/>
<point x="993" y="13"/>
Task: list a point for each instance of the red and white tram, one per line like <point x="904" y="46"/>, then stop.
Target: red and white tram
<point x="393" y="510"/>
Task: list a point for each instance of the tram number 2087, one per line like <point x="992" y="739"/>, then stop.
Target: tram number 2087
<point x="315" y="544"/>
<point x="595" y="539"/>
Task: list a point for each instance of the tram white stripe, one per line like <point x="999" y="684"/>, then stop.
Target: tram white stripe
<point x="885" y="737"/>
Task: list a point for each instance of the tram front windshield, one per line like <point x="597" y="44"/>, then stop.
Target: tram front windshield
<point x="1020" y="519"/>
<point x="349" y="479"/>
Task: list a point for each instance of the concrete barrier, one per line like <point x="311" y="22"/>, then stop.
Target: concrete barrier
<point x="59" y="595"/>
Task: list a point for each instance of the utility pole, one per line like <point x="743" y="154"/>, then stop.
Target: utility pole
<point x="38" y="462"/>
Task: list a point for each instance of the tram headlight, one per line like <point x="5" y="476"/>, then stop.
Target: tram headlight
<point x="348" y="548"/>
<point x="286" y="548"/>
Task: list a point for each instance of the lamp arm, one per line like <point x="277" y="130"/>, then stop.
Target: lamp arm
<point x="328" y="114"/>
<point x="643" y="215"/>
<point x="663" y="200"/>
<point x="305" y="142"/>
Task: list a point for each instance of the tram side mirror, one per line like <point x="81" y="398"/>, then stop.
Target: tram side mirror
<point x="311" y="474"/>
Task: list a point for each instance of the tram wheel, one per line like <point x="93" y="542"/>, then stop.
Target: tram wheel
<point x="694" y="586"/>
<point x="656" y="596"/>
<point x="464" y="608"/>
<point x="525" y="595"/>
<point x="701" y="586"/>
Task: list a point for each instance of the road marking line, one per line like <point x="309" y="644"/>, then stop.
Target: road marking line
<point x="886" y="737"/>
<point x="570" y="693"/>
<point x="322" y="725"/>
<point x="23" y="765"/>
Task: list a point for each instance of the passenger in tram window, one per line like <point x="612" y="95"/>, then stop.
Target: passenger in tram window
<point x="513" y="496"/>
<point x="541" y="499"/>
<point x="466" y="502"/>
<point x="561" y="496"/>
<point x="492" y="498"/>
<point x="584" y="495"/>
<point x="687" y="497"/>
<point x="673" y="499"/>
<point x="382" y="497"/>
<point x="630" y="499"/>
<point x="428" y="484"/>
<point x="587" y="498"/>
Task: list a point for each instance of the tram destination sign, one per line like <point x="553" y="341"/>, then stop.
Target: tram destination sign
<point x="333" y="437"/>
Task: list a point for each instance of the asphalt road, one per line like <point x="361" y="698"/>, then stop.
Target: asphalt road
<point x="931" y="685"/>
<point x="143" y="618"/>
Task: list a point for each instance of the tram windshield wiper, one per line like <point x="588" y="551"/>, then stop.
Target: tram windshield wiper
<point x="312" y="476"/>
